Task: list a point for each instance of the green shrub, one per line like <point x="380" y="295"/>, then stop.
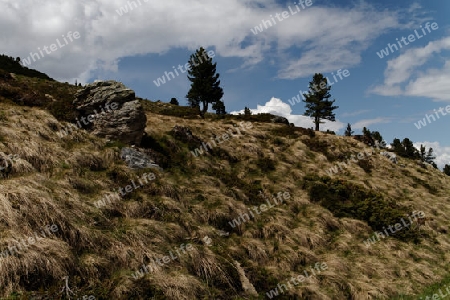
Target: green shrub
<point x="266" y="164"/>
<point x="284" y="131"/>
<point x="315" y="144"/>
<point x="345" y="199"/>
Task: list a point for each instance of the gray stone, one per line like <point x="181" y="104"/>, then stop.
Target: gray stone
<point x="137" y="160"/>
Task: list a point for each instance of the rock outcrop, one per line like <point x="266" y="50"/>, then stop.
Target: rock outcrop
<point x="110" y="110"/>
<point x="278" y="119"/>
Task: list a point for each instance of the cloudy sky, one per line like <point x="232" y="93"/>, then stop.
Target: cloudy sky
<point x="266" y="52"/>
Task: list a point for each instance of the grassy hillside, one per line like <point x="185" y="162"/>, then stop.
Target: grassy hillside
<point x="188" y="210"/>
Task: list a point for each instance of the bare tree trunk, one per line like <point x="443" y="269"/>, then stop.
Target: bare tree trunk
<point x="205" y="109"/>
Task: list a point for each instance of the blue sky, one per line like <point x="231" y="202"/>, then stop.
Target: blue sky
<point x="262" y="71"/>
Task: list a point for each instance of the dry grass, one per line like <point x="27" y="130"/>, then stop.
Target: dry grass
<point x="56" y="181"/>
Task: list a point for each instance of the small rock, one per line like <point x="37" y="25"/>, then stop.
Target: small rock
<point x="137" y="160"/>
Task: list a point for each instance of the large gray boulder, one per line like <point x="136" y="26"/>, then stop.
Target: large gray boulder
<point x="109" y="109"/>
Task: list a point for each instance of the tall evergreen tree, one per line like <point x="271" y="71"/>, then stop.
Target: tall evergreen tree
<point x="247" y="111"/>
<point x="317" y="103"/>
<point x="410" y="150"/>
<point x="422" y="152"/>
<point x="430" y="157"/>
<point x="348" y="131"/>
<point x="398" y="147"/>
<point x="205" y="83"/>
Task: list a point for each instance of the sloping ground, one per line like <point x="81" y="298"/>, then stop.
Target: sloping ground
<point x="184" y="216"/>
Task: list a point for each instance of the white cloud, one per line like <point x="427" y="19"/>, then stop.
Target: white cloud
<point x="405" y="75"/>
<point x="442" y="153"/>
<point x="277" y="107"/>
<point x="158" y="26"/>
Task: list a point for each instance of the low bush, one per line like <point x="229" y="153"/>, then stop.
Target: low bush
<point x="345" y="199"/>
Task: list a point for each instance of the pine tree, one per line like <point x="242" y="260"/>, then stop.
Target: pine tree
<point x="174" y="101"/>
<point x="430" y="157"/>
<point x="247" y="111"/>
<point x="398" y="147"/>
<point x="447" y="169"/>
<point x="205" y="86"/>
<point x="316" y="101"/>
<point x="422" y="152"/>
<point x="219" y="107"/>
<point x="348" y="131"/>
<point x="410" y="150"/>
<point x="377" y="136"/>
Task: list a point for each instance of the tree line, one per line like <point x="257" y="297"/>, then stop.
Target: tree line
<point x="205" y="90"/>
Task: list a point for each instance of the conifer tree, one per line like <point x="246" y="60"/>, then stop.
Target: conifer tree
<point x="447" y="169"/>
<point x="348" y="131"/>
<point x="205" y="83"/>
<point x="317" y="103"/>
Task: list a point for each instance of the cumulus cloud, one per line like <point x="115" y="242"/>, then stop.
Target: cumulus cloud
<point x="156" y="27"/>
<point x="277" y="107"/>
<point x="405" y="75"/>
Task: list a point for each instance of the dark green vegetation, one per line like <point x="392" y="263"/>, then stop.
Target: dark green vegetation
<point x="346" y="199"/>
<point x="35" y="92"/>
<point x="12" y="65"/>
